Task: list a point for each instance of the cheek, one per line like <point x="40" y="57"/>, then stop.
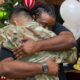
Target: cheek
<point x="51" y="20"/>
<point x="41" y="23"/>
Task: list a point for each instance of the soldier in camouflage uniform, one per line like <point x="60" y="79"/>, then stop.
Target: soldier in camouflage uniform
<point x="10" y="39"/>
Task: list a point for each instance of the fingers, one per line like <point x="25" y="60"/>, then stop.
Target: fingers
<point x="20" y="55"/>
<point x="18" y="50"/>
<point x="25" y="38"/>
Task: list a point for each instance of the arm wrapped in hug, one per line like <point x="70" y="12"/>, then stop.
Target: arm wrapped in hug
<point x="34" y="31"/>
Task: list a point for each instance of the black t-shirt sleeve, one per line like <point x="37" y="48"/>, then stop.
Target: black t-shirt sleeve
<point x="57" y="28"/>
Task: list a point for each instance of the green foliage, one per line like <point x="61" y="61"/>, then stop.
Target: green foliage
<point x="2" y="24"/>
<point x="8" y="7"/>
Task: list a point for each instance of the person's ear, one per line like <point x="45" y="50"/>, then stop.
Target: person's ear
<point x="16" y="23"/>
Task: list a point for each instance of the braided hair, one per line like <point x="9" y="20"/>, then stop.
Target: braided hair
<point x="43" y="7"/>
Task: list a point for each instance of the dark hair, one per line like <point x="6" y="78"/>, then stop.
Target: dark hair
<point x="43" y="7"/>
<point x="21" y="15"/>
<point x="19" y="9"/>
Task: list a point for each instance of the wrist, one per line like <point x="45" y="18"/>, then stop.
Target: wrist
<point x="39" y="45"/>
<point x="45" y="68"/>
<point x="42" y="69"/>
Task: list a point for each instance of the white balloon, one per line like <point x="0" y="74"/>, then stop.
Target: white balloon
<point x="74" y="29"/>
<point x="70" y="11"/>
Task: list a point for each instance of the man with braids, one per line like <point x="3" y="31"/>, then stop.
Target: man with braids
<point x="45" y="15"/>
<point x="26" y="27"/>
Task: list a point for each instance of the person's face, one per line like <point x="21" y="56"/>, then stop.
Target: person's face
<point x="46" y="20"/>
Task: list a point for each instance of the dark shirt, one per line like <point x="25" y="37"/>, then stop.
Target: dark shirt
<point x="57" y="28"/>
<point x="5" y="53"/>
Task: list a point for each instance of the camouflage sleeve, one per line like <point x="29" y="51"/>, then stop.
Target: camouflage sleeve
<point x="37" y="29"/>
<point x="1" y="36"/>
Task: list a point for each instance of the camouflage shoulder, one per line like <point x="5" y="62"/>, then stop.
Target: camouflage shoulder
<point x="33" y="24"/>
<point x="10" y="25"/>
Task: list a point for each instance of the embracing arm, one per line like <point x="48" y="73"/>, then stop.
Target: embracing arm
<point x="20" y="69"/>
<point x="64" y="41"/>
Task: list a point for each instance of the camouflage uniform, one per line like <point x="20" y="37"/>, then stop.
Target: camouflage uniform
<point x="9" y="38"/>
